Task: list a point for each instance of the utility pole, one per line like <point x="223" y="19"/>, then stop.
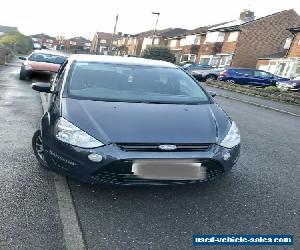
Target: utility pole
<point x="113" y="35"/>
<point x="154" y="33"/>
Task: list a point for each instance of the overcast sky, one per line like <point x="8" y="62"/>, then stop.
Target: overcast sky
<point x="85" y="17"/>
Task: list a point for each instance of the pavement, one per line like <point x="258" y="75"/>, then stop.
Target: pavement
<point x="257" y="101"/>
<point x="29" y="215"/>
<point x="259" y="196"/>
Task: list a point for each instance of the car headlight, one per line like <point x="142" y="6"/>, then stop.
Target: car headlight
<point x="66" y="132"/>
<point x="28" y="66"/>
<point x="232" y="138"/>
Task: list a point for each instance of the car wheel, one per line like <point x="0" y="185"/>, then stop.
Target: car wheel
<point x="211" y="78"/>
<point x="231" y="81"/>
<point x="23" y="74"/>
<point x="38" y="148"/>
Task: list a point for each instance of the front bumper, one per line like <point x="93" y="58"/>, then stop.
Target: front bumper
<point x="116" y="165"/>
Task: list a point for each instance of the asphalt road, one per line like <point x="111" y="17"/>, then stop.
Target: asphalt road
<point x="259" y="196"/>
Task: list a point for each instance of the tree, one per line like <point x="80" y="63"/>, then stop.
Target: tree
<point x="159" y="53"/>
<point x="16" y="41"/>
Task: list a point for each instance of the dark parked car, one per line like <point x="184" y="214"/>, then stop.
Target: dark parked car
<point x="130" y="120"/>
<point x="250" y="77"/>
<point x="41" y="61"/>
<point x="193" y="66"/>
<point x="292" y="85"/>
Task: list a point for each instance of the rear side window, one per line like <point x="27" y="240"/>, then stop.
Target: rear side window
<point x="244" y="71"/>
<point x="261" y="73"/>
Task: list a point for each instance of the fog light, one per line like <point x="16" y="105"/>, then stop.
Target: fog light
<point x="95" y="157"/>
<point x="226" y="156"/>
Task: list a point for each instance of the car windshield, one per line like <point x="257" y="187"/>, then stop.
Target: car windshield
<point x="41" y="57"/>
<point x="132" y="83"/>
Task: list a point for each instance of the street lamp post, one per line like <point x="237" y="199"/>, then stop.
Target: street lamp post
<point x="154" y="33"/>
<point x="113" y="35"/>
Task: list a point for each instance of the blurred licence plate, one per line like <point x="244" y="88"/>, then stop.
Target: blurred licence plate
<point x="169" y="169"/>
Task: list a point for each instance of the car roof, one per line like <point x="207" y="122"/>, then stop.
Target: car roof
<point x="119" y="60"/>
<point x="244" y="69"/>
<point x="50" y="52"/>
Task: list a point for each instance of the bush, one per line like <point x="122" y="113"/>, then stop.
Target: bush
<point x="16" y="41"/>
<point x="159" y="53"/>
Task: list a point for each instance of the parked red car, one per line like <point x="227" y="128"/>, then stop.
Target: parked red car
<point x="46" y="62"/>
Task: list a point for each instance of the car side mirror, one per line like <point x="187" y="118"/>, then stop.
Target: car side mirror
<point x="22" y="58"/>
<point x="212" y="93"/>
<point x="41" y="87"/>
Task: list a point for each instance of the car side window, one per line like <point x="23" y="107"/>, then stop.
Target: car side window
<point x="261" y="73"/>
<point x="244" y="72"/>
<point x="257" y="73"/>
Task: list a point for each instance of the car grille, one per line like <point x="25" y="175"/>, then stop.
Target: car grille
<point x="120" y="173"/>
<point x="155" y="147"/>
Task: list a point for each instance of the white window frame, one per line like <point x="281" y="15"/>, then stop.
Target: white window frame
<point x="189" y="57"/>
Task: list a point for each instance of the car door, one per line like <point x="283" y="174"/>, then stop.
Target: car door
<point x="56" y="85"/>
<point x="243" y="76"/>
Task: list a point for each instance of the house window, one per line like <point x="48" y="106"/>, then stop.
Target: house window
<point x="156" y="41"/>
<point x="173" y="43"/>
<point x="287" y="43"/>
<point x="102" y="40"/>
<point x="225" y="60"/>
<point x="72" y="43"/>
<point x="182" y="42"/>
<point x="197" y="40"/>
<point x="188" y="58"/>
<point x="233" y="36"/>
<point x="204" y="60"/>
<point x="213" y="37"/>
<point x="190" y="40"/>
<point x="214" y="61"/>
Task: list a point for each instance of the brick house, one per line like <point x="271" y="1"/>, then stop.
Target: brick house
<point x="101" y="43"/>
<point x="43" y="41"/>
<point x="78" y="45"/>
<point x="241" y="42"/>
<point x="186" y="43"/>
<point x="139" y="42"/>
<point x="287" y="61"/>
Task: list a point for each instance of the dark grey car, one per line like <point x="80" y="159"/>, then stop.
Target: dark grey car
<point x="132" y="121"/>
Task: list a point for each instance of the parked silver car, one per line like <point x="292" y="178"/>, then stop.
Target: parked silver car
<point x="208" y="73"/>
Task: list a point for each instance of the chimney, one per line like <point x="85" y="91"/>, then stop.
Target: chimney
<point x="247" y="15"/>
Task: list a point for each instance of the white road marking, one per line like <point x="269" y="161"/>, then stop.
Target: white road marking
<point x="71" y="227"/>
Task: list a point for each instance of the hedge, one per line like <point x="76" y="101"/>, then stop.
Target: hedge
<point x="272" y="93"/>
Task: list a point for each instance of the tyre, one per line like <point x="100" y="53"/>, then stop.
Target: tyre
<point x="38" y="149"/>
<point x="23" y="74"/>
<point x="211" y="78"/>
